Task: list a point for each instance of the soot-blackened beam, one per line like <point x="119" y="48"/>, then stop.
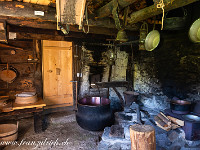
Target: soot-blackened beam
<point x="27" y="10"/>
<point x="107" y="9"/>
<point x="151" y="11"/>
<point x="46" y="34"/>
<point x="23" y="14"/>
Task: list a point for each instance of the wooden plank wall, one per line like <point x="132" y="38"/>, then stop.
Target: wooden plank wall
<point x="29" y="74"/>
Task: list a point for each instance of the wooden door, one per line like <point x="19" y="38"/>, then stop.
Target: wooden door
<point x="57" y="72"/>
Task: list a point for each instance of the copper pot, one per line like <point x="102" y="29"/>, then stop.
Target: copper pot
<point x="180" y="106"/>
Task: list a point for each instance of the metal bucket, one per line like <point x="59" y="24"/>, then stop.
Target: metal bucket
<point x="175" y="23"/>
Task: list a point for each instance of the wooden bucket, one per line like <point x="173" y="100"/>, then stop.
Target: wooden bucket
<point x="24" y="98"/>
<point x="8" y="132"/>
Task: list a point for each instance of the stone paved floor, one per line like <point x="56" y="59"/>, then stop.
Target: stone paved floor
<point x="63" y="127"/>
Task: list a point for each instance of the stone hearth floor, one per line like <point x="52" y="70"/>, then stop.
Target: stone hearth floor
<point x="63" y="127"/>
<point x="171" y="140"/>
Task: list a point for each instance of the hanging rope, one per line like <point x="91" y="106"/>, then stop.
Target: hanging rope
<point x="162" y="5"/>
<point x="87" y="20"/>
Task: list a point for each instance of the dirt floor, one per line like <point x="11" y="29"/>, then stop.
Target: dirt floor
<point x="62" y="130"/>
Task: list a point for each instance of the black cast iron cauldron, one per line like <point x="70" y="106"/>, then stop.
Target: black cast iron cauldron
<point x="94" y="113"/>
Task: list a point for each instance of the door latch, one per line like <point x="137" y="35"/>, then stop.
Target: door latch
<point x="58" y="71"/>
<point x="50" y="71"/>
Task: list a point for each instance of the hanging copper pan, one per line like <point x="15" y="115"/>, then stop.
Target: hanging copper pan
<point x="194" y="32"/>
<point x="8" y="74"/>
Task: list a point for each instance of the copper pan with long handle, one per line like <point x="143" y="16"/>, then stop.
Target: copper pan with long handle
<point x="8" y="74"/>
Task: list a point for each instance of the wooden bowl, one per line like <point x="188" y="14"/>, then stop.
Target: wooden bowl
<point x="26" y="98"/>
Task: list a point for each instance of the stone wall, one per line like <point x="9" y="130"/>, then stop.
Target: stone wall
<point x="171" y="70"/>
<point x="84" y="89"/>
<point x="118" y="74"/>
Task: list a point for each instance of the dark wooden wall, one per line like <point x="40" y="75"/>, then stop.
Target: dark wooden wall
<point x="29" y="73"/>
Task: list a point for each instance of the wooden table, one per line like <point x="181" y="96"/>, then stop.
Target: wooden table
<point x="13" y="111"/>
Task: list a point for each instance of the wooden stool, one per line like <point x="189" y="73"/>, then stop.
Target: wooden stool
<point x="142" y="137"/>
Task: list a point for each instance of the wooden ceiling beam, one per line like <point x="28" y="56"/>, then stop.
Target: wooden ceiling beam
<point x="27" y="10"/>
<point x="35" y="23"/>
<point x="107" y="9"/>
<point x="22" y="14"/>
<point x="23" y="33"/>
<point x="151" y="11"/>
<point x="31" y="36"/>
<point x="26" y="22"/>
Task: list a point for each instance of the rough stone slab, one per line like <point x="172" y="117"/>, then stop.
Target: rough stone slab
<point x="173" y="135"/>
<point x="127" y="130"/>
<point x="125" y="146"/>
<point x="160" y="148"/>
<point x="183" y="148"/>
<point x="116" y="131"/>
<point x="150" y="110"/>
<point x="111" y="140"/>
<point x="103" y="145"/>
<point x="122" y="117"/>
<point x="181" y="133"/>
<point x="176" y="147"/>
<point x="193" y="143"/>
<point x="117" y="146"/>
<point x="161" y="140"/>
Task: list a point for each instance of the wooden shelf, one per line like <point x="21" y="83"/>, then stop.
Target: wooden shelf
<point x="112" y="84"/>
<point x="14" y="106"/>
<point x="20" y="63"/>
<point x="39" y="104"/>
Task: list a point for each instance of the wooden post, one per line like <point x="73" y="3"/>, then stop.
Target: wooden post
<point x="142" y="137"/>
